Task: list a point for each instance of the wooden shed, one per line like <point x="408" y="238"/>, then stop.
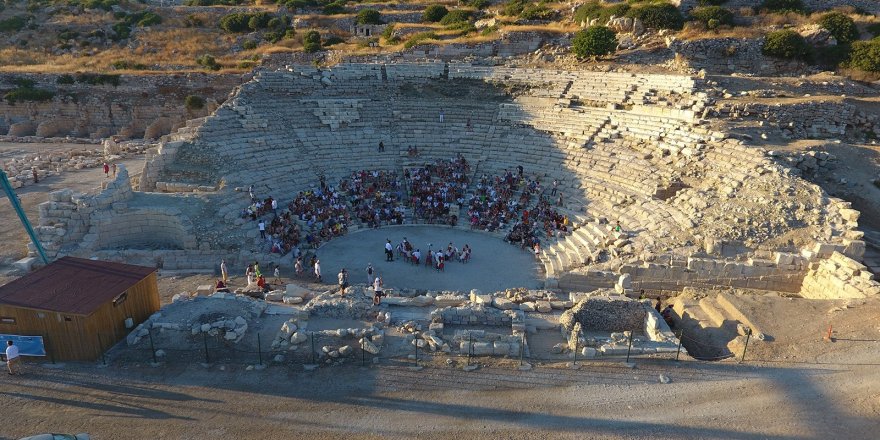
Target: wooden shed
<point x="79" y="306"/>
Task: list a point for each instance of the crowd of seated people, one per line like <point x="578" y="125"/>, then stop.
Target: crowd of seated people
<point x="284" y="234"/>
<point x="549" y="219"/>
<point x="257" y="208"/>
<point x="436" y="187"/>
<point x="497" y="200"/>
<point x="375" y="197"/>
<point x="324" y="212"/>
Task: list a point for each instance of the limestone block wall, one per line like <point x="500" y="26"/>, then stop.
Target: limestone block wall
<point x="784" y="273"/>
<point x="728" y="55"/>
<point x="66" y="217"/>
<point x="148" y="228"/>
<point x="813" y="119"/>
<point x="477" y="315"/>
<point x="871" y="6"/>
<point x="141" y="106"/>
<point x="839" y="277"/>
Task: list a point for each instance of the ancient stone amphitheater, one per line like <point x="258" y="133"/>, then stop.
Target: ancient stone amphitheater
<point x="696" y="207"/>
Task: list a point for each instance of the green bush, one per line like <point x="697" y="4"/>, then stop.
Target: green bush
<point x="121" y="31"/>
<point x="477" y="4"/>
<point x="841" y="27"/>
<point x="594" y="41"/>
<point x="237" y="22"/>
<point x="193" y="102"/>
<point x="514" y="7"/>
<point x="13" y="24"/>
<point x="289" y="33"/>
<point x="98" y="79"/>
<point x="128" y="65"/>
<point x="208" y="62"/>
<point x="312" y="41"/>
<point x="786" y="44"/>
<point x="22" y="94"/>
<point x="331" y="40"/>
<point x="419" y="38"/>
<point x="595" y="10"/>
<point x="249" y="45"/>
<point x="68" y="34"/>
<point x="337" y="7"/>
<point x="105" y="5"/>
<point x="657" y="15"/>
<point x="368" y="16"/>
<point x="24" y="83"/>
<point x="65" y="79"/>
<point x="865" y="55"/>
<point x="456" y="16"/>
<point x="388" y="35"/>
<point x="537" y="12"/>
<point x="782" y="6"/>
<point x="143" y="19"/>
<point x="706" y="14"/>
<point x="434" y="13"/>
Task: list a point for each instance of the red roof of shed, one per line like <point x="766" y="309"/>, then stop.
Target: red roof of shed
<point x="72" y="285"/>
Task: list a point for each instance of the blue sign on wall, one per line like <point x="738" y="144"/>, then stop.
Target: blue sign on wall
<point x="27" y="345"/>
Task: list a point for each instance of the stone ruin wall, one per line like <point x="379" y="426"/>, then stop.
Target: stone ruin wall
<point x="780" y="271"/>
<point x="839" y="277"/>
<point x="869" y="6"/>
<point x="142" y="106"/>
<point x="728" y="56"/>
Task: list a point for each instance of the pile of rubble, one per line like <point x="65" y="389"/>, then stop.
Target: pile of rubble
<point x="604" y="310"/>
<point x="20" y="170"/>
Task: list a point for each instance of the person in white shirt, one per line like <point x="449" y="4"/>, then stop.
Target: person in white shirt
<point x="377" y="290"/>
<point x="13" y="360"/>
<point x="318" y="270"/>
<point x="262" y="227"/>
<point x="389" y="251"/>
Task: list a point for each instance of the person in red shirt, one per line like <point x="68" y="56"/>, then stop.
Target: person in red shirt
<point x="106" y="170"/>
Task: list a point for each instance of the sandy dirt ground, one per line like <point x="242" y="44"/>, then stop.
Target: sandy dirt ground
<point x="795" y="387"/>
<point x="720" y="400"/>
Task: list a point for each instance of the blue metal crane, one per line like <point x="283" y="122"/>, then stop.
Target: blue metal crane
<point x="16" y="205"/>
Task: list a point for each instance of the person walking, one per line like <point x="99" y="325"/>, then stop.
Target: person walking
<point x="106" y="171"/>
<point x="223" y="273"/>
<point x="114" y="170"/>
<point x="257" y="270"/>
<point x="343" y="281"/>
<point x="277" y="274"/>
<point x="318" y="270"/>
<point x="370" y="273"/>
<point x="441" y="115"/>
<point x="13" y="359"/>
<point x="275" y="207"/>
<point x="555" y="187"/>
<point x="262" y="227"/>
<point x="381" y="147"/>
<point x="377" y="290"/>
